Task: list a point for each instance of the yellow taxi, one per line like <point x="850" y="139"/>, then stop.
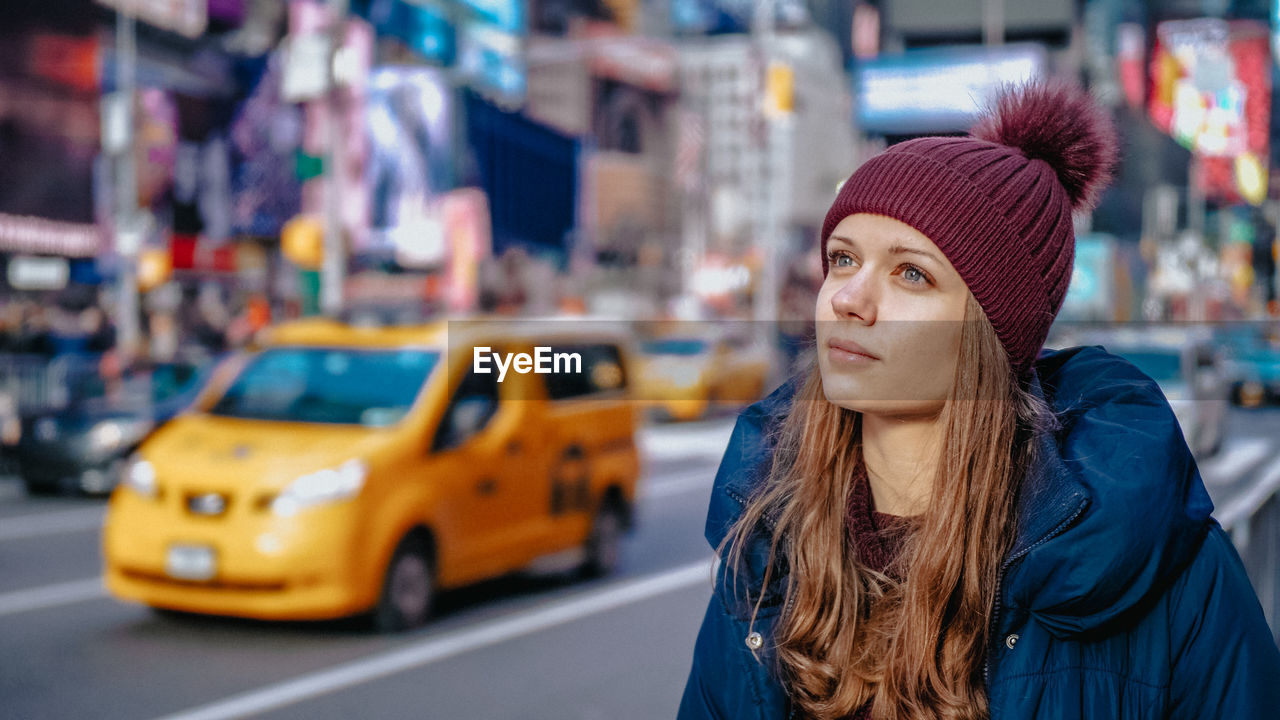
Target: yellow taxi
<point x="687" y="370"/>
<point x="345" y="470"/>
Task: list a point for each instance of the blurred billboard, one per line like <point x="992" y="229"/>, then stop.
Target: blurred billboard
<point x="410" y="140"/>
<point x="266" y="137"/>
<point x="1211" y="91"/>
<point x="422" y="29"/>
<point x="938" y="89"/>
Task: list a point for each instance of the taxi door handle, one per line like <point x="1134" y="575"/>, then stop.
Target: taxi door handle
<point x="487" y="486"/>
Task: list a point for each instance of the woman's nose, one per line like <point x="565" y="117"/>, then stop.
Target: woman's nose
<point x="856" y="299"/>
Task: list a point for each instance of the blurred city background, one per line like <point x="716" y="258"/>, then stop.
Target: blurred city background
<point x="227" y="227"/>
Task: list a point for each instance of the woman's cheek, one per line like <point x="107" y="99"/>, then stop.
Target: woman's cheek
<point x="927" y="356"/>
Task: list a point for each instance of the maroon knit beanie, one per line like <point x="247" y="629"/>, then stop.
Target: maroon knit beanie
<point x="998" y="202"/>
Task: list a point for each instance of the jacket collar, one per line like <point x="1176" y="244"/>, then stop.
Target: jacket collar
<point x="1049" y="495"/>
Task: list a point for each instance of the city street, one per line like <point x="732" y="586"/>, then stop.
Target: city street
<point x="529" y="647"/>
<point x="542" y="647"/>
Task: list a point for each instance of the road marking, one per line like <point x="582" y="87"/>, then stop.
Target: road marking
<point x="47" y="596"/>
<point x="1234" y="460"/>
<point x="1248" y="503"/>
<point x="679" y="484"/>
<point x="552" y="614"/>
<point x="681" y="441"/>
<point x="29" y="526"/>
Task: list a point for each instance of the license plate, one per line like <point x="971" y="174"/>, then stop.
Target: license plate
<point x="190" y="562"/>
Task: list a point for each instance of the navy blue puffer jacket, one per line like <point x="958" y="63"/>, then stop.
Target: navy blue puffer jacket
<point x="1121" y="598"/>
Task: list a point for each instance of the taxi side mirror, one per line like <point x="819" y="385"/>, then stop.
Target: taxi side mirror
<point x="467" y="417"/>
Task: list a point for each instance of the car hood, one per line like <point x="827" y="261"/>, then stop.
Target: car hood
<point x="220" y="451"/>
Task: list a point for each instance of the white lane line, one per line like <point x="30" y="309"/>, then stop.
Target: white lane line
<point x="677" y="441"/>
<point x="679" y="484"/>
<point x="53" y="523"/>
<point x="558" y="612"/>
<point x="47" y="596"/>
<point x="1248" y="503"/>
<point x="1234" y="459"/>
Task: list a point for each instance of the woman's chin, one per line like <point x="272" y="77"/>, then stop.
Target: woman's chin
<point x="877" y="399"/>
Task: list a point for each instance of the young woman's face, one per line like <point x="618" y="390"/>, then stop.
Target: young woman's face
<point x="889" y="316"/>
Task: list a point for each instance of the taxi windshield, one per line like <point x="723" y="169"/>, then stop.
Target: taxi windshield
<point x="675" y="346"/>
<point x="328" y="385"/>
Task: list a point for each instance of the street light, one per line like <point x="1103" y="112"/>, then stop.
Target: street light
<point x="778" y="103"/>
<point x="333" y="272"/>
<point x="127" y="225"/>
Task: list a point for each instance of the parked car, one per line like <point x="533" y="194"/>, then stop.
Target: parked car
<point x="83" y="447"/>
<point x="1253" y="365"/>
<point x="685" y="374"/>
<point x="357" y="470"/>
<point x="1187" y="365"/>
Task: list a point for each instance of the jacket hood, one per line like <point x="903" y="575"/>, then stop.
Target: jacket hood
<point x="1111" y="511"/>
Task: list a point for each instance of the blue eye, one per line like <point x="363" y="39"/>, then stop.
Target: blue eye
<point x="915" y="275"/>
<point x="837" y="258"/>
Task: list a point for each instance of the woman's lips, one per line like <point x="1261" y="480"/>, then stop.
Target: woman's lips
<point x="847" y="351"/>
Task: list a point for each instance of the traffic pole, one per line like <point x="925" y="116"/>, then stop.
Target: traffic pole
<point x="333" y="272"/>
<point x="777" y="210"/>
<point x="128" y="229"/>
<point x="992" y="22"/>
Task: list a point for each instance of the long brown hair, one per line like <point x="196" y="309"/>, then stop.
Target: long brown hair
<point x="848" y="634"/>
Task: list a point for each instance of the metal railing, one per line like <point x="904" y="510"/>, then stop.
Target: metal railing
<point x="1253" y="520"/>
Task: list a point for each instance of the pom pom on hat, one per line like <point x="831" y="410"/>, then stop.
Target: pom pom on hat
<point x="1058" y="123"/>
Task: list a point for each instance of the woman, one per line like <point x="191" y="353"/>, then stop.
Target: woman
<point x="939" y="521"/>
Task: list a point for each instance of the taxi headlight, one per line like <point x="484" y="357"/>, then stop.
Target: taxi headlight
<point x="318" y="488"/>
<point x="140" y="477"/>
<point x="113" y="435"/>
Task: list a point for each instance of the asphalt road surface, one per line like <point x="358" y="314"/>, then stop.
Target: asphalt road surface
<point x="526" y="647"/>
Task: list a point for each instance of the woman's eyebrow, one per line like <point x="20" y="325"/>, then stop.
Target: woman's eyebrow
<point x="904" y="250"/>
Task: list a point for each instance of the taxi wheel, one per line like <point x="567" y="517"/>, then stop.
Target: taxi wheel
<point x="407" y="590"/>
<point x="604" y="544"/>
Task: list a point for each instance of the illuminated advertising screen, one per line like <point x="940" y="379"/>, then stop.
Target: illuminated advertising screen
<point x="409" y="164"/>
<point x="719" y="17"/>
<point x="938" y="89"/>
<point x="1211" y="91"/>
<point x="49" y="126"/>
<point x="421" y="27"/>
<point x="492" y="60"/>
<point x="508" y="15"/>
<point x="708" y="16"/>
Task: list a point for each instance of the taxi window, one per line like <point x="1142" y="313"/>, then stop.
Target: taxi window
<point x="473" y="405"/>
<point x="601" y="371"/>
<point x="328" y="385"/>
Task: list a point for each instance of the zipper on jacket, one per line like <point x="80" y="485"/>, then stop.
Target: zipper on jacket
<point x="1004" y="567"/>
